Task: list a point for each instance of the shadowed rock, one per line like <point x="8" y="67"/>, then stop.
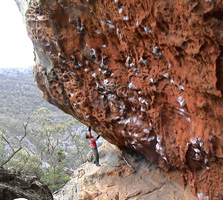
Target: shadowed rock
<point x="13" y="185"/>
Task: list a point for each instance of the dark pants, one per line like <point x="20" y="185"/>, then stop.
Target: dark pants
<point x="96" y="155"/>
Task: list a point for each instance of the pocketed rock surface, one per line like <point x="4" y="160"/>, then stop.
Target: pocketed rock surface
<point x="145" y="74"/>
<point x="122" y="176"/>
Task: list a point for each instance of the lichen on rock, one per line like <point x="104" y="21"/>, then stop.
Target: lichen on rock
<point x="144" y="74"/>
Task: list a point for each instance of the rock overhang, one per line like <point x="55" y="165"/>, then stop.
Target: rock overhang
<point x="144" y="74"/>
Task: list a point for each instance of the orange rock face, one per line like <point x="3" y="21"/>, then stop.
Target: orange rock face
<point x="145" y="74"/>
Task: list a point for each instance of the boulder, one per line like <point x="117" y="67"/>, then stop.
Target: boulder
<point x="123" y="174"/>
<point x="18" y="186"/>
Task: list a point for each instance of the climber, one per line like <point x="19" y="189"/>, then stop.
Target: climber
<point x="93" y="145"/>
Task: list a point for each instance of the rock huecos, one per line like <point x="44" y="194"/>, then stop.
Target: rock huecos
<point x="144" y="74"/>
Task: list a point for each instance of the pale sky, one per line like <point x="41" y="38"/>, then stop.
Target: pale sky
<point x="16" y="48"/>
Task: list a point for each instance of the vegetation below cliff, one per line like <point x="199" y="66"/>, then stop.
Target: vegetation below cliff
<point x="52" y="143"/>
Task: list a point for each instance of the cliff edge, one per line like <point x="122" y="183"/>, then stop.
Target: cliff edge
<point x="122" y="175"/>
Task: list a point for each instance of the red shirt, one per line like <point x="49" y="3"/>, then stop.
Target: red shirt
<point x="93" y="142"/>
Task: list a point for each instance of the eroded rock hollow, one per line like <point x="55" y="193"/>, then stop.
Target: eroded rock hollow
<point x="18" y="186"/>
<point x="145" y="74"/>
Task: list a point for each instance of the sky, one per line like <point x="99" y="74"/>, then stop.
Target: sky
<point x="16" y="49"/>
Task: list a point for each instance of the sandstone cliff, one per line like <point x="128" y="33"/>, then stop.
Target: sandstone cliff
<point x="145" y="74"/>
<point x="122" y="176"/>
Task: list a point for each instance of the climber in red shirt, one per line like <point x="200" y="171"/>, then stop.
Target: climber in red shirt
<point x="93" y="145"/>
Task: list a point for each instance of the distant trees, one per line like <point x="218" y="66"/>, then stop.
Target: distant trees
<point x="14" y="150"/>
<point x="56" y="176"/>
<point x="50" y="146"/>
<point x="51" y="151"/>
<point x="59" y="145"/>
<point x="2" y="147"/>
<point x="27" y="164"/>
<point x="17" y="158"/>
<point x="62" y="146"/>
<point x="80" y="145"/>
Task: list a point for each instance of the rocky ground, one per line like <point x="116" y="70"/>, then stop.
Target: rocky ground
<point x="14" y="185"/>
<point x="123" y="176"/>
